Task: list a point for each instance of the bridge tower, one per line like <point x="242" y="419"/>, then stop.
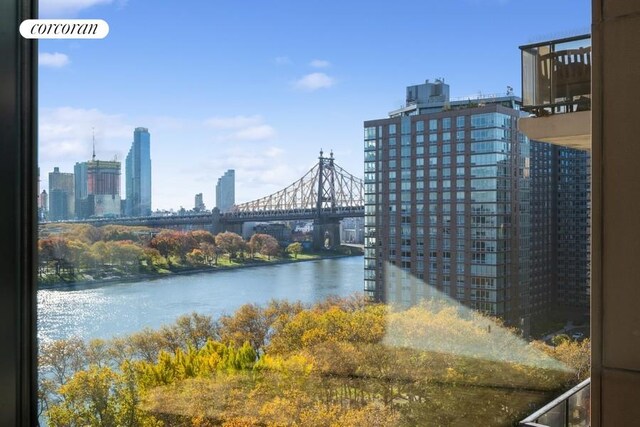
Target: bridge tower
<point x="326" y="227"/>
<point x="325" y="194"/>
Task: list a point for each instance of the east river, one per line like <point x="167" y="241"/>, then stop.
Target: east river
<point x="116" y="309"/>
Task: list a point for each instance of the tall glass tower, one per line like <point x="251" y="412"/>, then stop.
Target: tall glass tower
<point x="226" y="191"/>
<point x="138" y="174"/>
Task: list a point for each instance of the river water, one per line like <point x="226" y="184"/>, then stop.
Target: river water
<point x="115" y="309"/>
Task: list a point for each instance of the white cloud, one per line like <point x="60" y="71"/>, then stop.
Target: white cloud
<point x="314" y="81"/>
<point x="65" y="134"/>
<point x="53" y="60"/>
<point x="283" y="60"/>
<point x="320" y="63"/>
<point x="241" y="128"/>
<point x="60" y="8"/>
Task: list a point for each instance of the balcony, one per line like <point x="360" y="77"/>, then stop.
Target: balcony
<point x="572" y="409"/>
<point x="556" y="91"/>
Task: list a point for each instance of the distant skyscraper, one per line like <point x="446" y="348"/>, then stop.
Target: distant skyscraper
<point x="97" y="185"/>
<point x="43" y="200"/>
<point x="80" y="185"/>
<point x="199" y="203"/>
<point x="103" y="187"/>
<point x="43" y="203"/>
<point x="138" y="175"/>
<point x="61" y="195"/>
<point x="226" y="191"/>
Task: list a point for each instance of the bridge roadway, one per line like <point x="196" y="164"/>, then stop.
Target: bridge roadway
<point x="291" y="215"/>
<point x="216" y="220"/>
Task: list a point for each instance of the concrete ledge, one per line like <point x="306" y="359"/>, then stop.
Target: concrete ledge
<point x="569" y="130"/>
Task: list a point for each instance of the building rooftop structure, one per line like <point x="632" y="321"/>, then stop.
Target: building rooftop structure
<point x="433" y="97"/>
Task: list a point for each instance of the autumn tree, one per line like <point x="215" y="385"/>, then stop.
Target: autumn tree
<point x="153" y="260"/>
<point x="144" y="345"/>
<point x="203" y="236"/>
<point x="229" y="243"/>
<point x="574" y="354"/>
<point x="196" y="257"/>
<point x="270" y="247"/>
<point x="126" y="254"/>
<point x="190" y="330"/>
<point x="209" y="252"/>
<point x="255" y="243"/>
<point x="247" y="324"/>
<point x="54" y="250"/>
<point x="85" y="233"/>
<point x="98" y="397"/>
<point x="294" y="249"/>
<point x="62" y="358"/>
<point x="140" y="235"/>
<point x="174" y="244"/>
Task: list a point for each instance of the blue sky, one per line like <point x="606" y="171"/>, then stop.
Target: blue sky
<point x="261" y="85"/>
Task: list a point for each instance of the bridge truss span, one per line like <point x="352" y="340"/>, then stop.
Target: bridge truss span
<point x="326" y="189"/>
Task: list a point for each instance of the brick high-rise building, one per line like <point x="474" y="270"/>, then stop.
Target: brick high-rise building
<point x="448" y="204"/>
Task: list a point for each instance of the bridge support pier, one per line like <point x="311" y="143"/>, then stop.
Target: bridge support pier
<point x="326" y="234"/>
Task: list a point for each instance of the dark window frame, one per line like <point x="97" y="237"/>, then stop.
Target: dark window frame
<point x="18" y="225"/>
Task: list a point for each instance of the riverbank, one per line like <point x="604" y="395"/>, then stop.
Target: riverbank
<point x="186" y="271"/>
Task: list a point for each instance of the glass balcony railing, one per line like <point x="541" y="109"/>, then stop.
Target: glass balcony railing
<point x="572" y="409"/>
<point x="556" y="76"/>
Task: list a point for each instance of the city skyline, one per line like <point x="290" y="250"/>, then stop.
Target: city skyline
<point x="256" y="101"/>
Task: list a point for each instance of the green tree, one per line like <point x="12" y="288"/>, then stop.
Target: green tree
<point x="154" y="260"/>
<point x="560" y="338"/>
<point x="99" y="397"/>
<point x="125" y="254"/>
<point x="294" y="249"/>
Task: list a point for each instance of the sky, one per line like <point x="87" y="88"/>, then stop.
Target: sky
<point x="260" y="86"/>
